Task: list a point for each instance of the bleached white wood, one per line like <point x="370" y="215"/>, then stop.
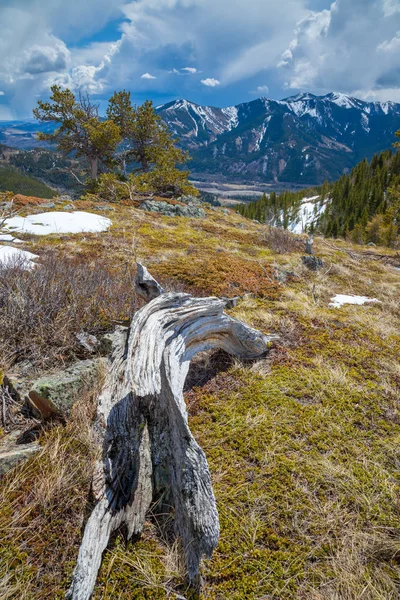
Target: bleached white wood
<point x="149" y="452"/>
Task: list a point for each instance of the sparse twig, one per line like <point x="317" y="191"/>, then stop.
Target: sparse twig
<point x="349" y="252"/>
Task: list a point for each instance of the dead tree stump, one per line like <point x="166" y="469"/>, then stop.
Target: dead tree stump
<point x="149" y="452"/>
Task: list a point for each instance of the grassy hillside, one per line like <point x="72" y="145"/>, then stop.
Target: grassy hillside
<point x="303" y="445"/>
<point x="12" y="180"/>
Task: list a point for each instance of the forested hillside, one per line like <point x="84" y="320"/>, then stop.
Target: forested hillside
<point x="51" y="166"/>
<point x="12" y="180"/>
<point x="363" y="205"/>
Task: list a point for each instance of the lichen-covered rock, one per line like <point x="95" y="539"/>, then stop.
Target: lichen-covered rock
<point x="57" y="393"/>
<point x="12" y="453"/>
<point x="173" y="210"/>
<point x="312" y="262"/>
<point x="190" y="200"/>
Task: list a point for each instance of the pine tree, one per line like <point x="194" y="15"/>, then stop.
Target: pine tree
<point x="80" y="130"/>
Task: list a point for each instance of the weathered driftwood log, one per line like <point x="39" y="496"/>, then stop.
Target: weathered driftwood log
<point x="149" y="453"/>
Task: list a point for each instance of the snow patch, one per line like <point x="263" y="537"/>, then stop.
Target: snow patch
<point x="342" y="100"/>
<point x="261" y="134"/>
<point x="59" y="222"/>
<point x="7" y="237"/>
<point x="386" y="106"/>
<point x="232" y="113"/>
<point x="365" y="123"/>
<point x="340" y="299"/>
<point x="308" y="213"/>
<point x="15" y="256"/>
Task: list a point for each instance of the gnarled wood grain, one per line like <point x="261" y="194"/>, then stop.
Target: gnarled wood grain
<point x="149" y="451"/>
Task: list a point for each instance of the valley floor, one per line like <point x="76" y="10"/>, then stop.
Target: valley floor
<point x="303" y="446"/>
<point x="230" y="193"/>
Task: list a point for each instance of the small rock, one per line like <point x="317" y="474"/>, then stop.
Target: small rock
<point x="104" y="208"/>
<point x="282" y="276"/>
<point x="47" y="205"/>
<point x="12" y="453"/>
<point x="312" y="262"/>
<point x="88" y="341"/>
<point x="108" y="340"/>
<point x="231" y="302"/>
<point x="57" y="393"/>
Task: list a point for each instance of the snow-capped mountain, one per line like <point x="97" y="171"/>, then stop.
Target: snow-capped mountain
<point x="302" y="139"/>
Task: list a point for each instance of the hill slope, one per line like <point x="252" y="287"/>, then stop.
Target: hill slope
<point x="302" y="445"/>
<point x="365" y="204"/>
<point x="13" y="180"/>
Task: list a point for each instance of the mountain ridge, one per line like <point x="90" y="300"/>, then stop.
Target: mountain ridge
<point x="302" y="138"/>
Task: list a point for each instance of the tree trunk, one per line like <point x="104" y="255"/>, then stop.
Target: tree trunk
<point x="94" y="167"/>
<point x="149" y="452"/>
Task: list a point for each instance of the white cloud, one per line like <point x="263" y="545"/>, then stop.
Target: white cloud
<point x="210" y="82"/>
<point x="379" y="95"/>
<point x="352" y="47"/>
<point x="251" y="39"/>
<point x="392" y="45"/>
<point x="154" y="33"/>
<point x="2" y="94"/>
<point x="261" y="90"/>
<point x="44" y="59"/>
<point x="391" y="7"/>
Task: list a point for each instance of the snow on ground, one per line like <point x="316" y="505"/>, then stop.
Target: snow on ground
<point x="7" y="237"/>
<point x="59" y="222"/>
<point x="10" y="255"/>
<point x="309" y="211"/>
<point x="340" y="299"/>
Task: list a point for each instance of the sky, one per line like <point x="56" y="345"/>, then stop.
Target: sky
<point x="214" y="52"/>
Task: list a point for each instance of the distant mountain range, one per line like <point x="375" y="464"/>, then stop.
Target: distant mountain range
<point x="302" y="139"/>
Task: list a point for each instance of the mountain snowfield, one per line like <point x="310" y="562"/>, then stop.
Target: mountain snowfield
<point x="303" y="138"/>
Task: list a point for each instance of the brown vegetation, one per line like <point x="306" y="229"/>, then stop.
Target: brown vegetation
<point x="43" y="309"/>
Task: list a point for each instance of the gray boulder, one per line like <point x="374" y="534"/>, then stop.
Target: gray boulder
<point x="55" y="394"/>
<point x="173" y="210"/>
<point x="190" y="200"/>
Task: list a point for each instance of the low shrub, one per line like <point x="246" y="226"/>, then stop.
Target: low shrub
<point x="43" y="309"/>
<point x="281" y="241"/>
